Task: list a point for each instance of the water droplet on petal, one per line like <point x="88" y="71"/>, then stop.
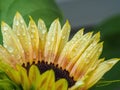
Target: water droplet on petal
<point x="43" y="31"/>
<point x="48" y="43"/>
<point x="18" y="56"/>
<point x="21" y="21"/>
<point x="32" y="36"/>
<point x="5" y="28"/>
<point x="52" y="38"/>
<point x="16" y="22"/>
<point x="10" y="49"/>
<point x="5" y="45"/>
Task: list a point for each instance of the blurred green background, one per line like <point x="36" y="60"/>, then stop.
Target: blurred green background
<point x="91" y="15"/>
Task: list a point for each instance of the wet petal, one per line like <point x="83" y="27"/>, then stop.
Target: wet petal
<point x="33" y="31"/>
<point x="6" y="57"/>
<point x="42" y="38"/>
<point x="20" y="29"/>
<point x="100" y="71"/>
<point x="52" y="41"/>
<point x="12" y="44"/>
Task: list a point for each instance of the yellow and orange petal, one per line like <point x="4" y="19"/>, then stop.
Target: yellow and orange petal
<point x="24" y="44"/>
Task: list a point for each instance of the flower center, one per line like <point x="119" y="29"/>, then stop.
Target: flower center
<point x="59" y="73"/>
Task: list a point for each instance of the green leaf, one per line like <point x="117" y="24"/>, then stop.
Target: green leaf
<point x="44" y="9"/>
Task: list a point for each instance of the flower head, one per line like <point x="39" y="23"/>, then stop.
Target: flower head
<point x="36" y="58"/>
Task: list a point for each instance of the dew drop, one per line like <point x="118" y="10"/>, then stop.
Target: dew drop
<point x="21" y="21"/>
<point x="10" y="49"/>
<point x="52" y="38"/>
<point x="16" y="22"/>
<point x="48" y="43"/>
<point x="5" y="45"/>
<point x="5" y="28"/>
<point x="32" y="36"/>
<point x="43" y="31"/>
<point x="18" y="56"/>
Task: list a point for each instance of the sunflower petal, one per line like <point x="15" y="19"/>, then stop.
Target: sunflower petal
<point x="80" y="47"/>
<point x="33" y="31"/>
<point x="24" y="78"/>
<point x="61" y="85"/>
<point x="47" y="81"/>
<point x="86" y="58"/>
<point x="65" y="32"/>
<point x="100" y="71"/>
<point x="77" y="85"/>
<point x="74" y="49"/>
<point x="42" y="38"/>
<point x="5" y="57"/>
<point x="34" y="76"/>
<point x="11" y="72"/>
<point x="20" y="29"/>
<point x="11" y="43"/>
<point x="52" y="41"/>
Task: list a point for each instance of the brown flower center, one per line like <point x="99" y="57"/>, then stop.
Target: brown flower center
<point x="59" y="73"/>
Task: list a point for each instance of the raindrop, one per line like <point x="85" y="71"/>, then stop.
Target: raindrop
<point x="5" y="28"/>
<point x="18" y="56"/>
<point x="16" y="22"/>
<point x="32" y="36"/>
<point x="21" y="21"/>
<point x="48" y="43"/>
<point x="5" y="44"/>
<point x="18" y="34"/>
<point x="10" y="49"/>
<point x="52" y="38"/>
<point x="43" y="31"/>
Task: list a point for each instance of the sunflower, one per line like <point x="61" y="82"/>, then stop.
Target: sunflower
<point x="34" y="58"/>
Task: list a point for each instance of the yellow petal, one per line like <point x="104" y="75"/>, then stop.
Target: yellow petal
<point x="65" y="32"/>
<point x="100" y="71"/>
<point x="64" y="56"/>
<point x="20" y="29"/>
<point x="24" y="78"/>
<point x="42" y="38"/>
<point x="61" y="85"/>
<point x="12" y="44"/>
<point x="77" y="85"/>
<point x="87" y="58"/>
<point x="6" y="57"/>
<point x="52" y="41"/>
<point x="34" y="76"/>
<point x="33" y="31"/>
<point x="12" y="73"/>
<point x="47" y="81"/>
<point x="79" y="48"/>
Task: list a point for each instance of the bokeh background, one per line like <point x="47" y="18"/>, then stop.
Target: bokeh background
<point x="93" y="15"/>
